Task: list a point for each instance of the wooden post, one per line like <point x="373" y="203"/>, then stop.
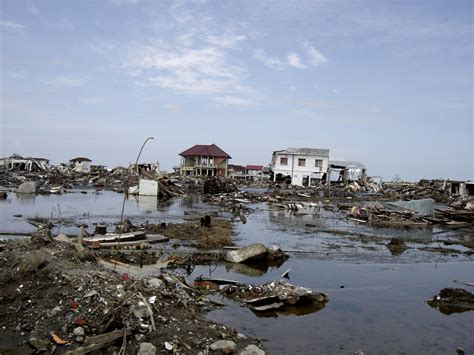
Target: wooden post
<point x="80" y="235"/>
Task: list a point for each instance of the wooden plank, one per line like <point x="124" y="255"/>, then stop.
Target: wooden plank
<point x="99" y="342"/>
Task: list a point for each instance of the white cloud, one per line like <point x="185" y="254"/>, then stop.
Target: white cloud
<point x="226" y="41"/>
<point x="67" y="80"/>
<point x="92" y="100"/>
<point x="315" y="57"/>
<point x="11" y="25"/>
<point x="294" y="60"/>
<point x="232" y="100"/>
<point x="271" y="62"/>
<point x="192" y="55"/>
<point x="206" y="70"/>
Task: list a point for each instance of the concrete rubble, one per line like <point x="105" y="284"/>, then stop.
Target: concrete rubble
<point x="62" y="301"/>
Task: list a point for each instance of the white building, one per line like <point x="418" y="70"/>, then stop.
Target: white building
<point x="81" y="164"/>
<point x="301" y="166"/>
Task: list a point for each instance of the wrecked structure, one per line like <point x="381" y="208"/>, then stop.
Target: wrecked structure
<point x="204" y="160"/>
<point x="344" y="171"/>
<point x="300" y="166"/>
<point x="81" y="164"/>
<point x="28" y="164"/>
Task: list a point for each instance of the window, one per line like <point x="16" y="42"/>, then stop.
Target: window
<point x="318" y="163"/>
<point x="301" y="162"/>
<point x="283" y="161"/>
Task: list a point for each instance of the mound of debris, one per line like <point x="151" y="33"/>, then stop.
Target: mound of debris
<point x="452" y="300"/>
<point x="203" y="233"/>
<point x="215" y="185"/>
<point x="55" y="296"/>
<point x="276" y="296"/>
<point x="397" y="246"/>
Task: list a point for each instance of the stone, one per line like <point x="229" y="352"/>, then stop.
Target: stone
<point x="79" y="331"/>
<point x="62" y="238"/>
<point x="155" y="283"/>
<point x="54" y="311"/>
<point x="28" y="187"/>
<point x="252" y="350"/>
<point x="147" y="349"/>
<point x="250" y="252"/>
<point x="224" y="345"/>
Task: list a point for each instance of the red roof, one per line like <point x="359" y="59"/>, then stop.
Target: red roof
<point x="254" y="167"/>
<point x="205" y="151"/>
<point x="237" y="167"/>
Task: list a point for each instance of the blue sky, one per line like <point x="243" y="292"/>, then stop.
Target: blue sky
<point x="387" y="83"/>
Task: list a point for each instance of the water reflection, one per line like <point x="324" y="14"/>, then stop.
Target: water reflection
<point x="147" y="204"/>
<point x="26" y="199"/>
<point x="451" y="309"/>
<point x="289" y="310"/>
<point x="253" y="269"/>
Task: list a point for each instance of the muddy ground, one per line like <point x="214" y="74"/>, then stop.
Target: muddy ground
<point x="55" y="296"/>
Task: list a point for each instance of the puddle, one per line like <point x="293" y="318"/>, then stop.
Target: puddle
<point x="380" y="309"/>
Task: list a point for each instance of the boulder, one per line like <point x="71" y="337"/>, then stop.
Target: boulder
<point x="248" y="253"/>
<point x="62" y="238"/>
<point x="156" y="283"/>
<point x="252" y="350"/>
<point x="147" y="349"/>
<point x="224" y="345"/>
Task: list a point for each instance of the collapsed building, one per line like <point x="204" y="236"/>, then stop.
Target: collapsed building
<point x="28" y="164"/>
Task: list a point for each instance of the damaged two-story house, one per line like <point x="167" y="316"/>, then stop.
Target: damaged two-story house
<point x="300" y="166"/>
<point x="204" y="160"/>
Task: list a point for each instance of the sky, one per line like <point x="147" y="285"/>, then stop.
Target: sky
<point x="386" y="83"/>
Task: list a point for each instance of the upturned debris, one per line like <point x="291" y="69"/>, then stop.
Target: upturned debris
<point x="278" y="295"/>
<point x="452" y="300"/>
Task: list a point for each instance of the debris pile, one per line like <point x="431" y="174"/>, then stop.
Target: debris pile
<point x="273" y="296"/>
<point x="452" y="300"/>
<point x="195" y="233"/>
<point x="216" y="185"/>
<point x="411" y="213"/>
<point x="52" y="298"/>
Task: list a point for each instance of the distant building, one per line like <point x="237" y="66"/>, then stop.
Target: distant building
<point x="207" y="160"/>
<point x="254" y="172"/>
<point x="300" y="166"/>
<point x="81" y="164"/>
<point x="29" y="164"/>
<point x="236" y="171"/>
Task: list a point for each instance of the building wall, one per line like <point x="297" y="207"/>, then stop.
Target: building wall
<point x="83" y="167"/>
<point x="298" y="172"/>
